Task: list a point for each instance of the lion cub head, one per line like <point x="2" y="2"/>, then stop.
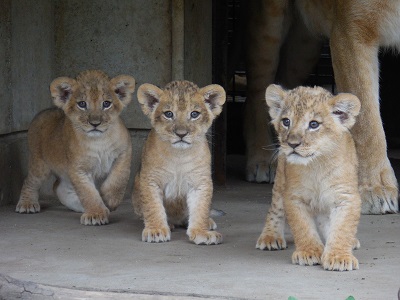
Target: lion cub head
<point x="310" y="121"/>
<point x="92" y="101"/>
<point x="182" y="112"/>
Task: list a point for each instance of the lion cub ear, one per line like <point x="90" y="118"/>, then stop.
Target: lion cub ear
<point x="345" y="108"/>
<point x="274" y="96"/>
<point x="214" y="97"/>
<point x="149" y="97"/>
<point x="123" y="86"/>
<point x="61" y="90"/>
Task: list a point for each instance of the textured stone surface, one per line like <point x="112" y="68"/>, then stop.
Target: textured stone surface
<point x="52" y="248"/>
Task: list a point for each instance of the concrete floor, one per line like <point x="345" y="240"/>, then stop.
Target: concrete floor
<point x="51" y="256"/>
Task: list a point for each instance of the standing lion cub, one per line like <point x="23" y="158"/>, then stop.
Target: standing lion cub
<point x="174" y="186"/>
<point x="316" y="177"/>
<point x="84" y="143"/>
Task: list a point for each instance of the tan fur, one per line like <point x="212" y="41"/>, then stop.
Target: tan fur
<point x="87" y="148"/>
<point x="316" y="177"/>
<point x="174" y="184"/>
<point x="283" y="44"/>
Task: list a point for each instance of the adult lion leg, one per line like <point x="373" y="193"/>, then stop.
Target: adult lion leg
<point x="357" y="71"/>
<point x="282" y="51"/>
<point x="299" y="55"/>
<point x="265" y="34"/>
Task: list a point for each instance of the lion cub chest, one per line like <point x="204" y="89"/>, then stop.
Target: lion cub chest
<point x="179" y="182"/>
<point x="99" y="158"/>
<point x="178" y="187"/>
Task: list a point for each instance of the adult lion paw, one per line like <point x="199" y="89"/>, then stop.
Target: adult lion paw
<point x="260" y="170"/>
<point x="200" y="237"/>
<point x="339" y="262"/>
<point x="308" y="257"/>
<point x="95" y="218"/>
<point x="379" y="199"/>
<point x="379" y="192"/>
<point x="156" y="235"/>
<point x="27" y="207"/>
<point x="270" y="242"/>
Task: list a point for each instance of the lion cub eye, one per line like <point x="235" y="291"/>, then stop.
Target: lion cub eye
<point x="313" y="124"/>
<point x="82" y="104"/>
<point x="194" y="114"/>
<point x="106" y="104"/>
<point x="168" y="114"/>
<point x="286" y="122"/>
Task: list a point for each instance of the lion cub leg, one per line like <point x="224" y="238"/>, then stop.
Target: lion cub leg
<point x="148" y="202"/>
<point x="323" y="222"/>
<point x="309" y="246"/>
<point x="113" y="188"/>
<point x="95" y="212"/>
<point x="272" y="236"/>
<point x="341" y="239"/>
<point x="199" y="201"/>
<point x="29" y="198"/>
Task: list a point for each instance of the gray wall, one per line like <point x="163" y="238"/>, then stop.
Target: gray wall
<point x="154" y="41"/>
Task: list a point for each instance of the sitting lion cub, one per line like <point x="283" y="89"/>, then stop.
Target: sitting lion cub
<point x="174" y="184"/>
<point x="316" y="176"/>
<point x="84" y="143"/>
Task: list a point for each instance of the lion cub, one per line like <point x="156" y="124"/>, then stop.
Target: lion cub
<point x="174" y="183"/>
<point x="316" y="176"/>
<point x="84" y="143"/>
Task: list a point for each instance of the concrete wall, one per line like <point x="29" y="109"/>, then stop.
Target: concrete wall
<point x="155" y="41"/>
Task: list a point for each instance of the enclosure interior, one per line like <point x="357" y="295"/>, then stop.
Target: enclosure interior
<point x="232" y="21"/>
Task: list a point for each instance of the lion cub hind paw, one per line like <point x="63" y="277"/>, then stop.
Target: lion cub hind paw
<point x="346" y="262"/>
<point x="356" y="244"/>
<point x="156" y="235"/>
<point x="205" y="237"/>
<point x="94" y="218"/>
<point x="268" y="242"/>
<point x="27" y="207"/>
<point x="307" y="258"/>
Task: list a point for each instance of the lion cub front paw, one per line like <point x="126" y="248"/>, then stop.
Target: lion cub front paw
<point x="339" y="262"/>
<point x="95" y="218"/>
<point x="156" y="235"/>
<point x="202" y="237"/>
<point x="27" y="207"/>
<point x="307" y="257"/>
<point x="270" y="242"/>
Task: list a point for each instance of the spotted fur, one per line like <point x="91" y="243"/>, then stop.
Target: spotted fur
<point x="84" y="143"/>
<point x="316" y="177"/>
<point x="174" y="186"/>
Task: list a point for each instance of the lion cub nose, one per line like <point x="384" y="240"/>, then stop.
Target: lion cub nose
<point x="181" y="133"/>
<point x="95" y="123"/>
<point x="294" y="145"/>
